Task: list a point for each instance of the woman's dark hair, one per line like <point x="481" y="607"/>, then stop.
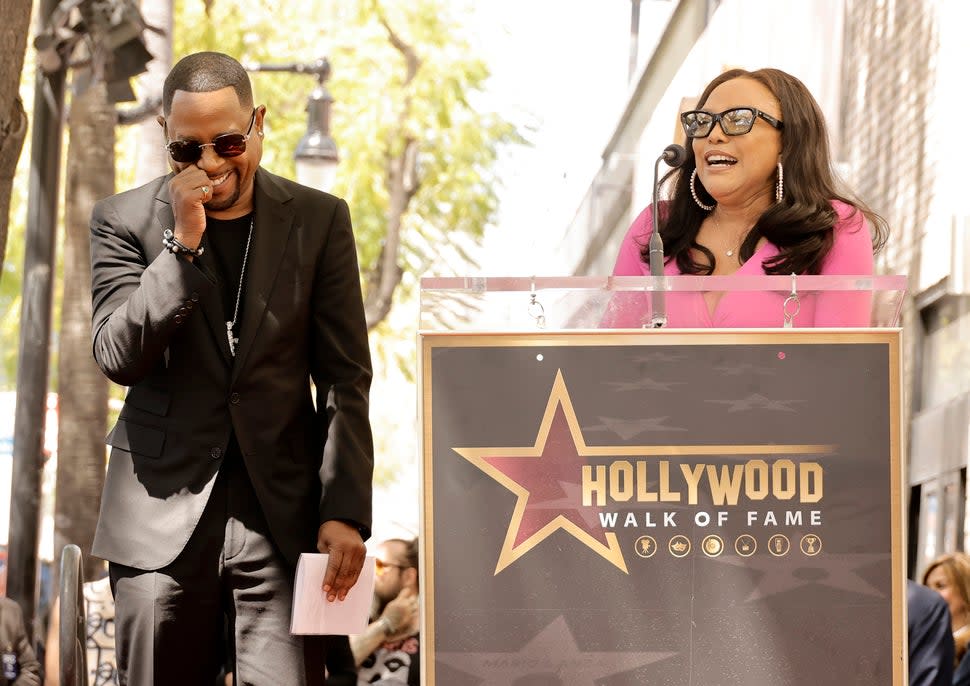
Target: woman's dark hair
<point x="802" y="224"/>
<point x="204" y="72"/>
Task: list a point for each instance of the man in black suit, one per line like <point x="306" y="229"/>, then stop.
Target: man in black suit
<point x="930" y="640"/>
<point x="220" y="292"/>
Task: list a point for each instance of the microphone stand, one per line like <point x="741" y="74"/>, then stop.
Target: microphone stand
<point x="674" y="155"/>
<point x="658" y="299"/>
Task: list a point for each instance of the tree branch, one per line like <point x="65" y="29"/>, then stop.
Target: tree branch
<point x="411" y="59"/>
<point x="402" y="183"/>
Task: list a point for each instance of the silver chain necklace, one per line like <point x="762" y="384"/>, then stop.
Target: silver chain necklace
<point x="230" y="325"/>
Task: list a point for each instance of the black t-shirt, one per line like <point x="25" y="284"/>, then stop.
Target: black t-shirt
<point x="225" y="241"/>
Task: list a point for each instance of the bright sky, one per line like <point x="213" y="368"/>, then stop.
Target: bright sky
<point x="559" y="68"/>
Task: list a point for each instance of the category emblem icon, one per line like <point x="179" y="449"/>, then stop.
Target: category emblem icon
<point x="679" y="546"/>
<point x="645" y="546"/>
<point x="811" y="545"/>
<point x="712" y="545"/>
<point x="779" y="545"/>
<point x="745" y="545"/>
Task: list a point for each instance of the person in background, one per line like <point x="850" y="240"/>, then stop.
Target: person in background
<point x="756" y="195"/>
<point x="223" y="295"/>
<point x="949" y="575"/>
<point x="18" y="663"/>
<point x="930" y="640"/>
<point x="388" y="650"/>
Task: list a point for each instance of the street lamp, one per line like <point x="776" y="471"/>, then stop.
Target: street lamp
<point x="316" y="154"/>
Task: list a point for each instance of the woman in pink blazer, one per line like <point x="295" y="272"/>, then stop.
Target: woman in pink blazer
<point x="755" y="196"/>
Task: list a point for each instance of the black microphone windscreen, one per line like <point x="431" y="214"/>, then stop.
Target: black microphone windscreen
<point x="674" y="155"/>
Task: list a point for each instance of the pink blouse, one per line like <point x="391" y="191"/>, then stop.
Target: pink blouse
<point x="851" y="254"/>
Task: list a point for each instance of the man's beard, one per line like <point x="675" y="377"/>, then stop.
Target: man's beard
<point x="218" y="206"/>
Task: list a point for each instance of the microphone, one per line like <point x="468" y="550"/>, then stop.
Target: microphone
<point x="674" y="155"/>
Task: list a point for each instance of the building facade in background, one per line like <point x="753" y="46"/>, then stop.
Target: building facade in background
<point x="888" y="75"/>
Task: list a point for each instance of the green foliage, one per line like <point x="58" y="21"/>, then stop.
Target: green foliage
<point x="458" y="144"/>
<point x="374" y="112"/>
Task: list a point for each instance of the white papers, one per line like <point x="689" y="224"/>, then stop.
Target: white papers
<point x="313" y="614"/>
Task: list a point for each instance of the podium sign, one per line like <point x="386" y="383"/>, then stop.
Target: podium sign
<point x="663" y="507"/>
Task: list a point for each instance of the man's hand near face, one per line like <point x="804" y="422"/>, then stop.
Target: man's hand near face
<point x="190" y="189"/>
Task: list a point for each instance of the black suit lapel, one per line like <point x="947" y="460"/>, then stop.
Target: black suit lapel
<point x="274" y="221"/>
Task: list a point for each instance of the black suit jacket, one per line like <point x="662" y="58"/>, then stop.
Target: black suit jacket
<point x="159" y="328"/>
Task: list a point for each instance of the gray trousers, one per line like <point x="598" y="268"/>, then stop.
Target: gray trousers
<point x="224" y="601"/>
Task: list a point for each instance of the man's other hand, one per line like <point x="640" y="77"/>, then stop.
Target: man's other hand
<point x="346" y="549"/>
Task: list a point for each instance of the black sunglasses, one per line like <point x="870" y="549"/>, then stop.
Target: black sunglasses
<point x="225" y="145"/>
<point x="736" y="121"/>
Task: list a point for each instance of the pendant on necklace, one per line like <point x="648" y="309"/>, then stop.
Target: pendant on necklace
<point x="232" y="339"/>
<point x="729" y="253"/>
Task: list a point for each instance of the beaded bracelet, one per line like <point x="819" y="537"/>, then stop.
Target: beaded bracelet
<point x="177" y="247"/>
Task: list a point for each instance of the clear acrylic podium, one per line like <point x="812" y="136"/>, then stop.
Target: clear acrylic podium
<point x="605" y="500"/>
<point x="523" y="303"/>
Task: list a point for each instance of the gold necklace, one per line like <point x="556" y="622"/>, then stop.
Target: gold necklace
<point x="717" y="225"/>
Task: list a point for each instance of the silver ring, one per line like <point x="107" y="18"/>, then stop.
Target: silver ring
<point x="205" y="190"/>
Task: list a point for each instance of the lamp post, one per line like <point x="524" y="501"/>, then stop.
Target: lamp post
<point x="316" y="154"/>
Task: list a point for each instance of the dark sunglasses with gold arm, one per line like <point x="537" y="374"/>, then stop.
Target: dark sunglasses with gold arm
<point x="225" y="145"/>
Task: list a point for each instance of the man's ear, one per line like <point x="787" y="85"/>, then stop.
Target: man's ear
<point x="260" y="116"/>
<point x="410" y="578"/>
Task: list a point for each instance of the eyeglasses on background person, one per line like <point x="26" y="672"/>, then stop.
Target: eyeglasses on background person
<point x="380" y="566"/>
<point x="736" y="121"/>
<point x="225" y="145"/>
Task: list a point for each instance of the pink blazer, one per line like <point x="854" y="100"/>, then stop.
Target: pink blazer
<point x="851" y="254"/>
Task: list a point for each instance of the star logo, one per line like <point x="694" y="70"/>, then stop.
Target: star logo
<point x="628" y="428"/>
<point x="546" y="478"/>
<point x="756" y="401"/>
<point x="644" y="384"/>
<point x="542" y="475"/>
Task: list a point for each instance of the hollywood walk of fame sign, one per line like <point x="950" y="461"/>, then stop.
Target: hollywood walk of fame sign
<point x="624" y="508"/>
